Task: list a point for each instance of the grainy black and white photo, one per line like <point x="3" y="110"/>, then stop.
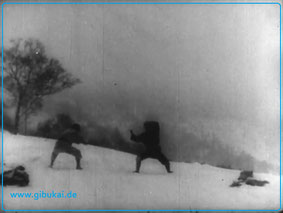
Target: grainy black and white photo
<point x="141" y="106"/>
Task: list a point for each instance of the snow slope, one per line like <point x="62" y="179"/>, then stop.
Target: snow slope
<point x="107" y="181"/>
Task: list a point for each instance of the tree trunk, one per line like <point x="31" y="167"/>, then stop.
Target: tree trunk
<point x="17" y="116"/>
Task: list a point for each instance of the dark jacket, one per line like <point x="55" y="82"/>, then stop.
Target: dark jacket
<point x="68" y="137"/>
<point x="149" y="139"/>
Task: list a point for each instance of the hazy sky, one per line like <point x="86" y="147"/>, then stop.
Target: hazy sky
<point x="211" y="69"/>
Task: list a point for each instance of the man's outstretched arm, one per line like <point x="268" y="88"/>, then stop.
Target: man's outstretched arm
<point x="134" y="137"/>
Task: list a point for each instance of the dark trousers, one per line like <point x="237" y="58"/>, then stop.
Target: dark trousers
<point x="66" y="149"/>
<point x="154" y="153"/>
<point x="69" y="150"/>
<point x="158" y="155"/>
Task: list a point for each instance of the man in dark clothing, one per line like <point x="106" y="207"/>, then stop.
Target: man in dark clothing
<point x="64" y="144"/>
<point x="150" y="139"/>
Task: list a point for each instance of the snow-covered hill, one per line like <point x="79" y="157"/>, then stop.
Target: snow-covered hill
<point x="107" y="181"/>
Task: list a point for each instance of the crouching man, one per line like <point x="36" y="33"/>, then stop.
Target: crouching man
<point x="150" y="139"/>
<point x="64" y="144"/>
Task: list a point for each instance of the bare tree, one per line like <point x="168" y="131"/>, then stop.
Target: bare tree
<point x="29" y="75"/>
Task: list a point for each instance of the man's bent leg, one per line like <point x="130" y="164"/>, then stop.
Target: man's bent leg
<point x="77" y="154"/>
<point x="53" y="157"/>
<point x="139" y="159"/>
<point x="138" y="164"/>
<point x="78" y="161"/>
<point x="164" y="161"/>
